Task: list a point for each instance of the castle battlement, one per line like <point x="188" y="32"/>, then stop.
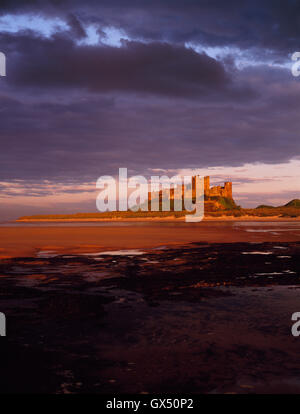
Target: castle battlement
<point x="210" y="193"/>
<point x="217" y="191"/>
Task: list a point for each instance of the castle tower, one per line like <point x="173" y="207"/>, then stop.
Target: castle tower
<point x="194" y="186"/>
<point x="206" y="186"/>
<point x="228" y="189"/>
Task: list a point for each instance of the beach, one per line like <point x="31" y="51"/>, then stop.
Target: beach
<point x="150" y="308"/>
<point x="26" y="239"/>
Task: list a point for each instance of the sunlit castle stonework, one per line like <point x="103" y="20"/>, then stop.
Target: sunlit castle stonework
<point x="217" y="191"/>
<point x="215" y="198"/>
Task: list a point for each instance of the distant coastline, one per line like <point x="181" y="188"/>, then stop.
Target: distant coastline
<point x="171" y="219"/>
<point x="290" y="211"/>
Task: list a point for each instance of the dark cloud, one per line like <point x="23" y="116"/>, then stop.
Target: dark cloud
<point x="155" y="68"/>
<point x="270" y="24"/>
<point x="92" y="135"/>
<point x="76" y="27"/>
<point x="69" y="111"/>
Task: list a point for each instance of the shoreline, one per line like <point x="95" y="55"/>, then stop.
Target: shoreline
<point x="171" y="219"/>
<point x="28" y="241"/>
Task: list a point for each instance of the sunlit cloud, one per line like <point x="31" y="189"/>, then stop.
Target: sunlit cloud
<point x="45" y="26"/>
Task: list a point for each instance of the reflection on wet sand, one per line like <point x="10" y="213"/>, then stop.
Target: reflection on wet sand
<point x="75" y="238"/>
<point x="203" y="317"/>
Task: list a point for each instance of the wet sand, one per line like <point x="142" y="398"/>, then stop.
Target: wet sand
<point x="208" y="312"/>
<point x="28" y="240"/>
<point x="206" y="318"/>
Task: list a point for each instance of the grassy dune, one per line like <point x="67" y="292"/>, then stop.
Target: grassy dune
<point x="288" y="212"/>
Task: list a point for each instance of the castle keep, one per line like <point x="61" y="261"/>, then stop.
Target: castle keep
<point x="217" y="191"/>
<point x="215" y="198"/>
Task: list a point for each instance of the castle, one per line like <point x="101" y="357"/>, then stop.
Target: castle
<point x="212" y="195"/>
<point x="217" y="197"/>
<point x="217" y="191"/>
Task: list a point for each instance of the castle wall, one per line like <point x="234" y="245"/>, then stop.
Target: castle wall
<point x="228" y="189"/>
<point x="206" y="186"/>
<point x="217" y="191"/>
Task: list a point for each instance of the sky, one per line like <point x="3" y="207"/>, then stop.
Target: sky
<point x="162" y="85"/>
